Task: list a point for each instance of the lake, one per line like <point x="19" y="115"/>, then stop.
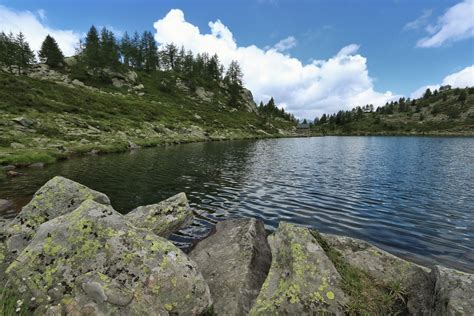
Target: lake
<point x="412" y="196"/>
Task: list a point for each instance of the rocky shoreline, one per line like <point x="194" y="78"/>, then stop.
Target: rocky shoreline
<point x="68" y="252"/>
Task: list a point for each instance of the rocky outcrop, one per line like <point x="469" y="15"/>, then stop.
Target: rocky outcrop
<point x="57" y="197"/>
<point x="249" y="102"/>
<point x="163" y="218"/>
<point x="453" y="293"/>
<point x="302" y="279"/>
<point x="93" y="261"/>
<point x="388" y="269"/>
<point x="235" y="262"/>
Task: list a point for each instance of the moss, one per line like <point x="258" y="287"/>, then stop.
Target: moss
<point x="367" y="295"/>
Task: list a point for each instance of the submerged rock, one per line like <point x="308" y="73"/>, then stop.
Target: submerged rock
<point x="93" y="261"/>
<point x="163" y="218"/>
<point x="57" y="197"/>
<point x="235" y="262"/>
<point x="415" y="280"/>
<point x="5" y="205"/>
<point x="302" y="279"/>
<point x="453" y="293"/>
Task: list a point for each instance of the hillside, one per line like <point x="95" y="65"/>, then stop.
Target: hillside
<point x="445" y="112"/>
<point x="48" y="114"/>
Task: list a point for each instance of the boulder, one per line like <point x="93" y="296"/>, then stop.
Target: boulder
<point x="453" y="293"/>
<point x="23" y="121"/>
<point x="249" y="102"/>
<point x="5" y="205"/>
<point x="388" y="269"/>
<point x="94" y="262"/>
<point x="8" y="167"/>
<point x="14" y="174"/>
<point x="163" y="218"/>
<point x="37" y="165"/>
<point x="57" y="197"/>
<point x="235" y="262"/>
<point x="17" y="145"/>
<point x="302" y="279"/>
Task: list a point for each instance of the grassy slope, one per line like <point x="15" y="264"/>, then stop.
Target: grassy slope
<point x="69" y="121"/>
<point x="435" y="117"/>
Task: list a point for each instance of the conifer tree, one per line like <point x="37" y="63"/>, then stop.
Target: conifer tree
<point x="150" y="52"/>
<point x="109" y="49"/>
<point x="91" y="53"/>
<point x="50" y="53"/>
<point x="24" y="56"/>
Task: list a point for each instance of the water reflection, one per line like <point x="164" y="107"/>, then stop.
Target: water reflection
<point x="409" y="195"/>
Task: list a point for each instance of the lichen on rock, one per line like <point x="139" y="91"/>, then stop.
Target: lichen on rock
<point x="93" y="258"/>
<point x="163" y="218"/>
<point x="302" y="279"/>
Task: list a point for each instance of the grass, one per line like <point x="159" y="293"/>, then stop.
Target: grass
<point x="73" y="121"/>
<point x="12" y="304"/>
<point x="367" y="295"/>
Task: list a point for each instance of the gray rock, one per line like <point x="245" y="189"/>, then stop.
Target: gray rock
<point x="14" y="174"/>
<point x="5" y="205"/>
<point x="163" y="218"/>
<point x="23" y="121"/>
<point x="249" y="102"/>
<point x="94" y="260"/>
<point x="37" y="165"/>
<point x="302" y="279"/>
<point x="235" y="262"/>
<point x="454" y="292"/>
<point x="388" y="269"/>
<point x="8" y="167"/>
<point x="57" y="197"/>
<point x="17" y="145"/>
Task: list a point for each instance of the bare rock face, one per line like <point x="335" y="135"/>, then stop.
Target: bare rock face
<point x="454" y="292"/>
<point x="302" y="279"/>
<point x="93" y="261"/>
<point x="389" y="269"/>
<point x="235" y="262"/>
<point x="57" y="197"/>
<point x="249" y="102"/>
<point x="163" y="218"/>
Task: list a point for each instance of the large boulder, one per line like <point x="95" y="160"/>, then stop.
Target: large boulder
<point x="454" y="292"/>
<point x="93" y="261"/>
<point x="390" y="270"/>
<point x="302" y="279"/>
<point x="57" y="197"/>
<point x="235" y="262"/>
<point x="163" y="218"/>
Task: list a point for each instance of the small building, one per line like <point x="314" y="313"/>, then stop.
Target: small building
<point x="303" y="128"/>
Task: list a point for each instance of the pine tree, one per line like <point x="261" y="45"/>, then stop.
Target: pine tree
<point x="24" y="56"/>
<point x="50" y="53"/>
<point x="92" y="51"/>
<point x="234" y="74"/>
<point x="109" y="49"/>
<point x="136" y="55"/>
<point x="126" y="49"/>
<point x="150" y="52"/>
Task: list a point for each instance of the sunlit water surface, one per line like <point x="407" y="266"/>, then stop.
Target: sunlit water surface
<point x="412" y="196"/>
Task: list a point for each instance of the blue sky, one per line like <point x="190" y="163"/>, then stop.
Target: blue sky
<point x="386" y="33"/>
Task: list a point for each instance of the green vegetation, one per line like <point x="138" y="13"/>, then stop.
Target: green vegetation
<point x="443" y="112"/>
<point x="11" y="303"/>
<point x="117" y="96"/>
<point x="15" y="52"/>
<point x="367" y="295"/>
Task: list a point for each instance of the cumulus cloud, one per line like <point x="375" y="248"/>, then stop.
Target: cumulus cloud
<point x="456" y="24"/>
<point x="307" y="90"/>
<point x="285" y="44"/>
<point x="35" y="30"/>
<point x="461" y="79"/>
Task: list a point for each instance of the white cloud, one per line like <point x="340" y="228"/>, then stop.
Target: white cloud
<point x="42" y="14"/>
<point x="419" y="22"/>
<point x="461" y="79"/>
<point x="307" y="90"/>
<point x="285" y="44"/>
<point x="456" y="24"/>
<point x="35" y="30"/>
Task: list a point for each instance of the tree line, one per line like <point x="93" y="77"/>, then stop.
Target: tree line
<point x="270" y="109"/>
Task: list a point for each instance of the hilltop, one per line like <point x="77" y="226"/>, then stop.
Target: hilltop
<point x="444" y="112"/>
<point x="74" y="106"/>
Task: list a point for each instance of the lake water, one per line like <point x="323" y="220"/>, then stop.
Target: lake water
<point x="412" y="196"/>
